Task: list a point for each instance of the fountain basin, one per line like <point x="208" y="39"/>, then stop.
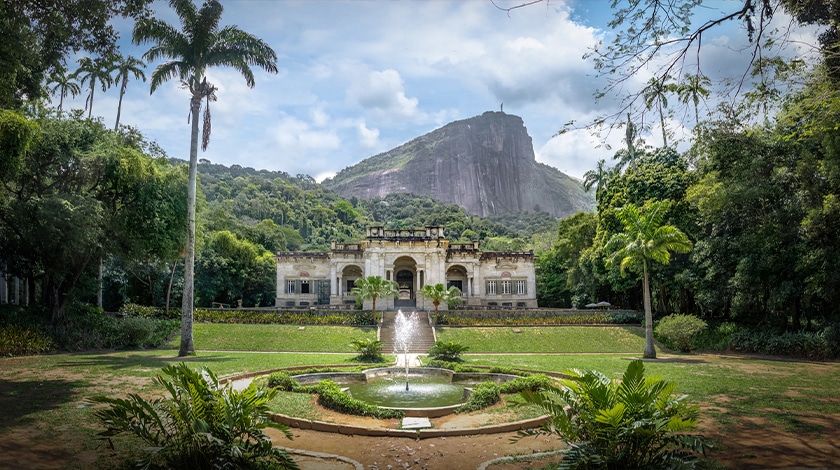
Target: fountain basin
<point x="432" y="393"/>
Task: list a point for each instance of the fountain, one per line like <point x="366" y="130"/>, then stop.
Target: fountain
<point x="427" y="391"/>
<point x="404" y="333"/>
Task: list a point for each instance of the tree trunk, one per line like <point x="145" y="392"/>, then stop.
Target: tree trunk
<point x="119" y="105"/>
<point x="187" y="348"/>
<point x="169" y="289"/>
<point x="650" y="350"/>
<point x="99" y="278"/>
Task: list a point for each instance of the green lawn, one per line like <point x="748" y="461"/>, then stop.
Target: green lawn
<point x="43" y="397"/>
<point x="547" y="339"/>
<point x="233" y="337"/>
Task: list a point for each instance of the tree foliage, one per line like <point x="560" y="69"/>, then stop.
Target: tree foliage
<point x="82" y="192"/>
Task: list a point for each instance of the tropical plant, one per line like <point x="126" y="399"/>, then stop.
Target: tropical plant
<point x="449" y="351"/>
<point x="438" y="293"/>
<point x="635" y="422"/>
<point x="126" y="66"/>
<point x="370" y="350"/>
<point x="90" y="71"/>
<point x="200" y="425"/>
<point x="64" y="84"/>
<point x="694" y="88"/>
<point x="201" y="44"/>
<point x="372" y="288"/>
<point x="645" y="240"/>
<point x="655" y="96"/>
<point x="680" y="330"/>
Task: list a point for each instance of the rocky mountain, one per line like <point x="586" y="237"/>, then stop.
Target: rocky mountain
<point x="485" y="164"/>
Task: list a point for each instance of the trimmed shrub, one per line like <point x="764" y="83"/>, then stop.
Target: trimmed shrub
<point x="489" y="393"/>
<point x="453" y="366"/>
<point x="136" y="331"/>
<point x="331" y="396"/>
<point x="483" y="395"/>
<point x="283" y="381"/>
<point x="448" y="351"/>
<point x="679" y="330"/>
<point x="296" y="317"/>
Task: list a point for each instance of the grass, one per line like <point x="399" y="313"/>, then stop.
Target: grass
<point x="234" y="337"/>
<point x="546" y="339"/>
<point x="781" y="391"/>
<point x="43" y="397"/>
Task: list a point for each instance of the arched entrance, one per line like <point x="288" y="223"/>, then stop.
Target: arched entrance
<point x="405" y="274"/>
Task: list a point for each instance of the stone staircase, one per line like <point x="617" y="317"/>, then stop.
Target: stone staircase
<point x="422" y="340"/>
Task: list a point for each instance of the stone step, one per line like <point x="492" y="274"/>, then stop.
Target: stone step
<point x="421" y="342"/>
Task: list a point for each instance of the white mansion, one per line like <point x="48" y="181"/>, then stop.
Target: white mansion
<point x="412" y="258"/>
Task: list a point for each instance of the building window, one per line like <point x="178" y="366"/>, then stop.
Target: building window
<point x="491" y="287"/>
<point x="520" y="288"/>
<point x="290" y="287"/>
<point x="505" y="287"/>
<point x="304" y="287"/>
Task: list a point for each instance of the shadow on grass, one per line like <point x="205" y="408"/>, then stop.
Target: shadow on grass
<point x="118" y="361"/>
<point x="20" y="399"/>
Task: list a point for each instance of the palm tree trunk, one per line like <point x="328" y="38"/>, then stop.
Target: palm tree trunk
<point x="119" y="105"/>
<point x="650" y="350"/>
<point x="169" y="289"/>
<point x="187" y="347"/>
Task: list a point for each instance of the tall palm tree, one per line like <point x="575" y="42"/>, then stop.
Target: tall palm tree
<point x="656" y="96"/>
<point x="694" y="88"/>
<point x="91" y="71"/>
<point x="372" y="288"/>
<point x="645" y="240"/>
<point x="438" y="293"/>
<point x="597" y="178"/>
<point x="189" y="52"/>
<point x="126" y="66"/>
<point x="64" y="84"/>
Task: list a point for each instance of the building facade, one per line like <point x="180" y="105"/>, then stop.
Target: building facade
<point x="411" y="258"/>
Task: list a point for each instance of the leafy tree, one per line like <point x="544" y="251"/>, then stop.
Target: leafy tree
<point x="91" y="71"/>
<point x="200" y="45"/>
<point x="645" y="240"/>
<point x="39" y="36"/>
<point x="372" y="288"/>
<point x="81" y="192"/>
<point x="438" y="293"/>
<point x="125" y="66"/>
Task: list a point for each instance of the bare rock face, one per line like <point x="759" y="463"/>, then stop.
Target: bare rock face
<point x="485" y="164"/>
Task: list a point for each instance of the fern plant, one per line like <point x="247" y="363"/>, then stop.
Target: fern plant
<point x="200" y="425"/>
<point x="634" y="423"/>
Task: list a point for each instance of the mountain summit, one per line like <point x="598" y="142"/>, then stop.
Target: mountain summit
<point x="485" y="164"/>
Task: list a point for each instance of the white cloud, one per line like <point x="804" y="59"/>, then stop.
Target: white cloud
<point x="383" y="92"/>
<point x="369" y="137"/>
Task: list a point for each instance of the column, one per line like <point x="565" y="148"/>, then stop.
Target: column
<point x="333" y="286"/>
<point x="339" y="286"/>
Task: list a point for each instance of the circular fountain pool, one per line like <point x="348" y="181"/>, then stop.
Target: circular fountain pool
<point x="423" y="392"/>
<point x="431" y="392"/>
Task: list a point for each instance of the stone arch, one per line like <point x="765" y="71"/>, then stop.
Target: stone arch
<point x="456" y="275"/>
<point x="349" y="275"/>
<point x="406" y="277"/>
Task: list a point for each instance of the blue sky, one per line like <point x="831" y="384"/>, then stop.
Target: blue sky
<point x="357" y="78"/>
